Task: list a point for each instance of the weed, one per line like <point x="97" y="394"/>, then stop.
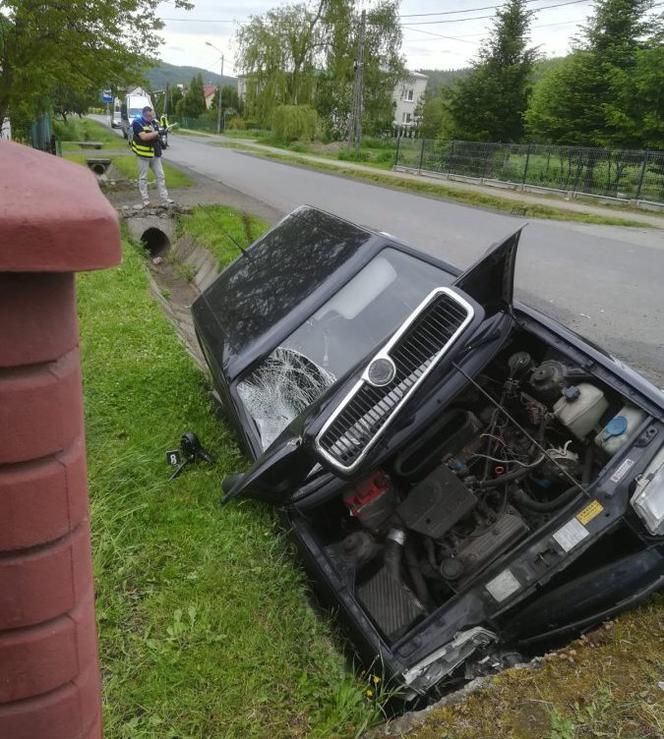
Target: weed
<point x="187" y="271"/>
<point x="222" y="229"/>
<point x="561" y="727"/>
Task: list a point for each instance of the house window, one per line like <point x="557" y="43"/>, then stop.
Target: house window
<point x="405" y="118"/>
<point x="410" y="94"/>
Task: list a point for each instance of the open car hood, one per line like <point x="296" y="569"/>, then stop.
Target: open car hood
<point x="484" y="289"/>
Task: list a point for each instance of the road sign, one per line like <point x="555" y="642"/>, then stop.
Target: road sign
<point x="107" y="96"/>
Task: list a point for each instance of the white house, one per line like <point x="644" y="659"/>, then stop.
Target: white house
<point x="209" y="92"/>
<point x="407" y="94"/>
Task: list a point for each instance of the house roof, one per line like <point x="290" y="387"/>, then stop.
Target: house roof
<point x="209" y="90"/>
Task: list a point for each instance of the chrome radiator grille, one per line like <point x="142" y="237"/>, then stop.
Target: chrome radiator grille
<point x="413" y="352"/>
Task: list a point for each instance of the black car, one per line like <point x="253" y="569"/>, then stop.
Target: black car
<point x="464" y="477"/>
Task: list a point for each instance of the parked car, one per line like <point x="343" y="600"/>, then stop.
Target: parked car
<point x="465" y="478"/>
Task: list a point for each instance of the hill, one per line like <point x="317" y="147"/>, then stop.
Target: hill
<point x="172" y="74"/>
<point x="439" y="78"/>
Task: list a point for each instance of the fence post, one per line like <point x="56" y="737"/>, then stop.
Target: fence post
<point x="525" y="169"/>
<point x="578" y="174"/>
<point x="396" y="156"/>
<point x="419" y="169"/>
<point x="49" y="672"/>
<point x="642" y="175"/>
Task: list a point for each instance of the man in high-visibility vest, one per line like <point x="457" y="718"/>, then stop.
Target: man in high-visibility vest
<point x="147" y="147"/>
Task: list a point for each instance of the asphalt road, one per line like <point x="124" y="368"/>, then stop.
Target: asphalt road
<point x="605" y="282"/>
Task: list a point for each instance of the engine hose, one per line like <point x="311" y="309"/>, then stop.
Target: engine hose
<point x="416" y="577"/>
<point x="520" y="497"/>
<point x="393" y="552"/>
<point x="507" y="477"/>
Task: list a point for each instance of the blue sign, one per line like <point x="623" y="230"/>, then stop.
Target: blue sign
<point x="107" y="96"/>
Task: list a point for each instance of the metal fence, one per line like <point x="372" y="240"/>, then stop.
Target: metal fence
<point x="613" y="173"/>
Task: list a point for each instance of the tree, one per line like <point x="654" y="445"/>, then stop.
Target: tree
<point x="305" y="54"/>
<point x="230" y="101"/>
<point x="383" y="65"/>
<point x="192" y="104"/>
<point x="176" y="95"/>
<point x="433" y="115"/>
<point x="590" y="99"/>
<point x="489" y="104"/>
<point x="66" y="101"/>
<point x="79" y="45"/>
<point x="278" y="51"/>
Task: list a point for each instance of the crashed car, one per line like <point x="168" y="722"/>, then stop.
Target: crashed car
<point x="465" y="478"/>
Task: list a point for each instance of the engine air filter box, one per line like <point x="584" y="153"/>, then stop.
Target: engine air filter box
<point x="436" y="504"/>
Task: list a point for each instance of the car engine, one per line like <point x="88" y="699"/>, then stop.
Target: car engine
<point x="506" y="456"/>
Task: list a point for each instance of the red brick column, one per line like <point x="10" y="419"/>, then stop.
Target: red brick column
<point x="53" y="222"/>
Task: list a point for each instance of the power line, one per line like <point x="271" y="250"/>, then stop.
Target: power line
<point x="459" y="12"/>
<point x="440" y="35"/>
<point x="481" y="17"/>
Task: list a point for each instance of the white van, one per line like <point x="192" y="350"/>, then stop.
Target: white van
<point x="134" y="101"/>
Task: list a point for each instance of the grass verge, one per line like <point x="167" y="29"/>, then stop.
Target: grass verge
<point x="444" y="192"/>
<point x="84" y="129"/>
<point x="221" y="229"/>
<point x="607" y="684"/>
<point x="204" y="625"/>
<point x="127" y="166"/>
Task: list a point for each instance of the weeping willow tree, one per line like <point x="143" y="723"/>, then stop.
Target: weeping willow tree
<point x="304" y="54"/>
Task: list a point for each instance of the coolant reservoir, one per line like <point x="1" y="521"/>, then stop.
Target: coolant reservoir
<point x="619" y="429"/>
<point x="581" y="408"/>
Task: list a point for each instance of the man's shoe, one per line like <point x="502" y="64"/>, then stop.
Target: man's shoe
<point x="168" y="201"/>
<point x="146" y="204"/>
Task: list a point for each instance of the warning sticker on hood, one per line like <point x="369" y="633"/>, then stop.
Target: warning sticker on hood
<point x="592" y="510"/>
<point x="571" y="534"/>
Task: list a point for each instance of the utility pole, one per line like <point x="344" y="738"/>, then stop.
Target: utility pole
<point x="221" y="82"/>
<point x="355" y="132"/>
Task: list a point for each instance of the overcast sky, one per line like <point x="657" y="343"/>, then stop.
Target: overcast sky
<point x="186" y="33"/>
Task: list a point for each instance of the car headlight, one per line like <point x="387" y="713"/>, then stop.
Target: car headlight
<point x="648" y="499"/>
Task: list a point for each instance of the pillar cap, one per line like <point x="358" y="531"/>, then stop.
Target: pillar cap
<point x="53" y="217"/>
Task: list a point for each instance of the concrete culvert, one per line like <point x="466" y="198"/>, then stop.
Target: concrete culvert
<point x="99" y="166"/>
<point x="156" y="242"/>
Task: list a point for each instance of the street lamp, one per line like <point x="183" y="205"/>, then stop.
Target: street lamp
<point x="221" y="81"/>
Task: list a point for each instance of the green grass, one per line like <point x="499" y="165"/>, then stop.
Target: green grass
<point x="205" y="629"/>
<point x="219" y="227"/>
<point x="85" y="129"/>
<point x="444" y="192"/>
<point x="127" y="166"/>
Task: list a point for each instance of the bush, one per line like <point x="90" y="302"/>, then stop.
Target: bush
<point x="236" y="123"/>
<point x="72" y="130"/>
<point x="386" y="156"/>
<point x="294" y="122"/>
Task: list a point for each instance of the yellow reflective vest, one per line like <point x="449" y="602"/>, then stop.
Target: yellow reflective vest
<point x="142" y="148"/>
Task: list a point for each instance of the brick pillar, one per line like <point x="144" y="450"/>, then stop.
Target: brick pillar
<point x="54" y="222"/>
